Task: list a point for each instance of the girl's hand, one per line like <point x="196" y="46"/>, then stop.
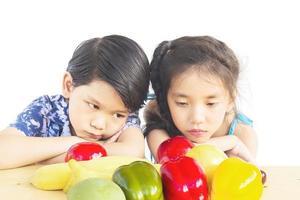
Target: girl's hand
<point x="232" y="146"/>
<point x="241" y="151"/>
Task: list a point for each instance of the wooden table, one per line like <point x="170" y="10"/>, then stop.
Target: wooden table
<point x="282" y="183"/>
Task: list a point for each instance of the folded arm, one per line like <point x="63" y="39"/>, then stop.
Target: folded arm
<point x="243" y="144"/>
<point x="18" y="150"/>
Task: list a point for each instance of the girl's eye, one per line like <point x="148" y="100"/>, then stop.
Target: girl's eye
<point x="211" y="104"/>
<point x="179" y="103"/>
<point x="118" y="115"/>
<point x="93" y="106"/>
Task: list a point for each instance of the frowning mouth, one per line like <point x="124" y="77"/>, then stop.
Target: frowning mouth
<point x="197" y="132"/>
<point x="94" y="136"/>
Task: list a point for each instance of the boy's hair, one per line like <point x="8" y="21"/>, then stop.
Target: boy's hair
<point x="117" y="60"/>
<point x="204" y="54"/>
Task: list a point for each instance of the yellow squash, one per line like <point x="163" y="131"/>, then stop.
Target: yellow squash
<point x="56" y="176"/>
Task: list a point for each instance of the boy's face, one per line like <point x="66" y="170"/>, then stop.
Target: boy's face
<point x="96" y="110"/>
<point x="198" y="103"/>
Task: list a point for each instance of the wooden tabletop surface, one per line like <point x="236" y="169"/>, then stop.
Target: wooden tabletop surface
<point x="283" y="182"/>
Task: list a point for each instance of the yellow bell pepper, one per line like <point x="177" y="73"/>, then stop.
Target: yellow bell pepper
<point x="235" y="179"/>
<point x="209" y="157"/>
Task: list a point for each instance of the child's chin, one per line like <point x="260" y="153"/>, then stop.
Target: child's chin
<point x="200" y="140"/>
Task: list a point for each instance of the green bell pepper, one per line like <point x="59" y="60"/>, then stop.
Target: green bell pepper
<point x="139" y="181"/>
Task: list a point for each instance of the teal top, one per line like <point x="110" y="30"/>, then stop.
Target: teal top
<point x="239" y="118"/>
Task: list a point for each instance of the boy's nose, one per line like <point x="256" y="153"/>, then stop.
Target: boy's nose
<point x="98" y="123"/>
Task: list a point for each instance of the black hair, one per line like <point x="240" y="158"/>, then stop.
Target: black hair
<point x="117" y="60"/>
<point x="170" y="58"/>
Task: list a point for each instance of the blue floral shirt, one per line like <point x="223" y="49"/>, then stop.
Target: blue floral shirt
<point x="48" y="116"/>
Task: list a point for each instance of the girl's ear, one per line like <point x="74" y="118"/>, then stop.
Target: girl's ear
<point x="67" y="85"/>
<point x="231" y="105"/>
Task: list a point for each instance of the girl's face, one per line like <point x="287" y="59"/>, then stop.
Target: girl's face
<point x="198" y="103"/>
<point x="96" y="110"/>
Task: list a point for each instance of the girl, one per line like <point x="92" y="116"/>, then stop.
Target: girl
<point x="105" y="83"/>
<point x="194" y="80"/>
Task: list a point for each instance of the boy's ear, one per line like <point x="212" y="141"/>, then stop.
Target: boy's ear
<point x="67" y="85"/>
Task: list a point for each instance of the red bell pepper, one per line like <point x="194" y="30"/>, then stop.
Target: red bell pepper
<point x="183" y="179"/>
<point x="85" y="151"/>
<point x="173" y="148"/>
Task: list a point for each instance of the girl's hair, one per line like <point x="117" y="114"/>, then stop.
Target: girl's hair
<point x="204" y="54"/>
<point x="117" y="60"/>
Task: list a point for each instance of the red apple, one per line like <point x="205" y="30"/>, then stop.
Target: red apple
<point x="85" y="151"/>
<point x="173" y="148"/>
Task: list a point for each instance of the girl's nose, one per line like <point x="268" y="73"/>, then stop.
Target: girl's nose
<point x="198" y="115"/>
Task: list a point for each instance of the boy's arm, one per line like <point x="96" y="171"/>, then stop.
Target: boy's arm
<point x="130" y="143"/>
<point x="18" y="150"/>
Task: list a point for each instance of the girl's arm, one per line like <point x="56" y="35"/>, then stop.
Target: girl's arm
<point x="18" y="150"/>
<point x="155" y="138"/>
<point x="130" y="143"/>
<point x="243" y="144"/>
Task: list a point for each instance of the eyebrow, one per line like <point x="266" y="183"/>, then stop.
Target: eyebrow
<point x="98" y="103"/>
<point x="212" y="96"/>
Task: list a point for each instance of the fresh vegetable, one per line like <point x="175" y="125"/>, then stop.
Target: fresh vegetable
<point x="95" y="189"/>
<point x="183" y="179"/>
<point x="209" y="157"/>
<point x="263" y="176"/>
<point x="80" y="173"/>
<point x="173" y="148"/>
<point x="139" y="180"/>
<point x="85" y="151"/>
<point x="56" y="176"/>
<point x="51" y="177"/>
<point x="236" y="179"/>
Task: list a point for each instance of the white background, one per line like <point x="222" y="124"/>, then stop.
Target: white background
<point x="37" y="39"/>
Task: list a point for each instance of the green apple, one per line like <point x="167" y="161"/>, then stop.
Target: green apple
<point x="95" y="189"/>
<point x="208" y="157"/>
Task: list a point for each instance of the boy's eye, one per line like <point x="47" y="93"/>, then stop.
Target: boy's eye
<point x="118" y="115"/>
<point x="93" y="106"/>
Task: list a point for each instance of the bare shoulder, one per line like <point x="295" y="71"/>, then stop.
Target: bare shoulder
<point x="158" y="134"/>
<point x="248" y="136"/>
<point x="244" y="131"/>
<point x="155" y="138"/>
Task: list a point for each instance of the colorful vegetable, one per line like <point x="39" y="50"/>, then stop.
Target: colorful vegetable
<point x="85" y="151"/>
<point x="173" y="148"/>
<point x="236" y="179"/>
<point x="139" y="180"/>
<point x="263" y="176"/>
<point x="80" y="173"/>
<point x="183" y="179"/>
<point x="56" y="176"/>
<point x="209" y="157"/>
<point x="95" y="189"/>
